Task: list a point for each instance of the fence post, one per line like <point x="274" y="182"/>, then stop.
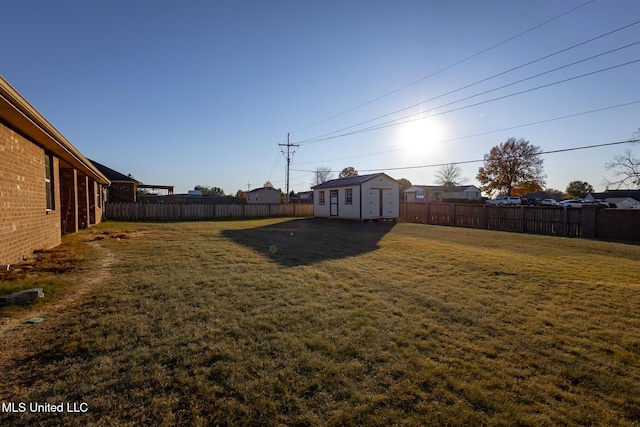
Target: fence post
<point x="453" y="216"/>
<point x="564" y="220"/>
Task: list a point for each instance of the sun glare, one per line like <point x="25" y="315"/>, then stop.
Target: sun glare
<point x="419" y="139"/>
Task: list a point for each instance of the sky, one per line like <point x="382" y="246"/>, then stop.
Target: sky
<point x="188" y="93"/>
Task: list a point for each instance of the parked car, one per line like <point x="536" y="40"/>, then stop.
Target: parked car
<point x="513" y="200"/>
<point x="599" y="203"/>
<point x="549" y="202"/>
<point x="498" y="201"/>
<point x="571" y="203"/>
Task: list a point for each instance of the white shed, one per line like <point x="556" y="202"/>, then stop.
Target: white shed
<point x="375" y="196"/>
<point x="264" y="195"/>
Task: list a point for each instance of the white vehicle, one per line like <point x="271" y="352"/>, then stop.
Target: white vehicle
<point x="513" y="200"/>
<point x="549" y="202"/>
<point x="571" y="203"/>
<point x="498" y="201"/>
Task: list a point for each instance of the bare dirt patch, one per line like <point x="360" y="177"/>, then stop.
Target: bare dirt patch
<point x="57" y="262"/>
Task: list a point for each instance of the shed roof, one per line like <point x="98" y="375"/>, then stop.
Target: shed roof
<point x="349" y="181"/>
<point x="17" y="113"/>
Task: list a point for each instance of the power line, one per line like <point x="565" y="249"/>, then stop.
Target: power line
<point x="562" y="150"/>
<point x="491" y="131"/>
<point x="311" y="140"/>
<point x="463" y="162"/>
<point x="397" y="122"/>
<point x="447" y="67"/>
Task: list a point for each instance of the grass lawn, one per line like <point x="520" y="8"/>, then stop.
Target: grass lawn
<point x="315" y="322"/>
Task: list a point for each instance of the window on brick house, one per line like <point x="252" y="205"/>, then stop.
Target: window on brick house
<point x="98" y="188"/>
<point x="48" y="181"/>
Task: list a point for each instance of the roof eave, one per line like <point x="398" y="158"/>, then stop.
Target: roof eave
<point x="23" y="117"/>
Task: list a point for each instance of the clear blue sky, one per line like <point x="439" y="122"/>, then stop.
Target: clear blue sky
<point x="189" y="93"/>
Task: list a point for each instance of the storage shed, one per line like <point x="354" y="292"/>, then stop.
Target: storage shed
<point x="364" y="197"/>
<point x="264" y="195"/>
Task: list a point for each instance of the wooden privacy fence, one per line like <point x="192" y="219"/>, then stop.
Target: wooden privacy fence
<point x="122" y="211"/>
<point x="527" y="219"/>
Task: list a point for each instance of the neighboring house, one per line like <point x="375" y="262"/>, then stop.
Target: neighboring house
<point x="264" y="195"/>
<point x="437" y="193"/>
<point x="123" y="188"/>
<point x="375" y="196"/>
<point x="622" y="198"/>
<point x="47" y="187"/>
<point x="538" y="195"/>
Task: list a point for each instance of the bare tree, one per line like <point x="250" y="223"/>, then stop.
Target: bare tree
<point x="268" y="184"/>
<point x="321" y="174"/>
<point x="450" y="176"/>
<point x="625" y="167"/>
<point x="514" y="165"/>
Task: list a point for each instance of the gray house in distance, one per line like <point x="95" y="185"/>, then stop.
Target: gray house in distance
<point x="437" y="193"/>
<point x="364" y="197"/>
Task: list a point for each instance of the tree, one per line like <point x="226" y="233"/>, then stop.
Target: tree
<point x="203" y="189"/>
<point x="209" y="191"/>
<point x="625" y="167"/>
<point x="268" y="184"/>
<point x="513" y="164"/>
<point x="554" y="194"/>
<point x="347" y="172"/>
<point x="404" y="184"/>
<point x="322" y="174"/>
<point x="578" y="189"/>
<point x="449" y="176"/>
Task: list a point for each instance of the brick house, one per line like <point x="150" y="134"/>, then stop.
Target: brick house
<point x="47" y="187"/>
<point x="123" y="188"/>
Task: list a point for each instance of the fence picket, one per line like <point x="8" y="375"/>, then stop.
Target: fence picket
<point x="123" y="211"/>
<point x="529" y="219"/>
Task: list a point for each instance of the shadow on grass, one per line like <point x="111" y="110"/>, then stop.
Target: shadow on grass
<point x="307" y="241"/>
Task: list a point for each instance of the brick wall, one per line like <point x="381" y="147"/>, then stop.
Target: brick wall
<point x="69" y="200"/>
<point x="25" y="223"/>
<point x="83" y="201"/>
<point x="618" y="224"/>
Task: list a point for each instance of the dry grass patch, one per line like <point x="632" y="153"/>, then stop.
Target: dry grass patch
<point x="312" y="322"/>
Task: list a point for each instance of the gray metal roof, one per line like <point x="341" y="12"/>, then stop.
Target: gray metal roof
<point x="349" y="181"/>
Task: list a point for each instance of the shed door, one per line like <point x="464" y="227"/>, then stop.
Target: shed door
<point x="333" y="202"/>
<point x="375" y="199"/>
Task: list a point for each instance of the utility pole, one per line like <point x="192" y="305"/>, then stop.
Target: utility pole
<point x="288" y="145"/>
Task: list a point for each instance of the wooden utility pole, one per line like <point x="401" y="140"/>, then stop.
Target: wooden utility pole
<point x="288" y="145"/>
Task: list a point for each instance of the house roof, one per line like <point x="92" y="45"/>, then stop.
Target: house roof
<point x="256" y="190"/>
<point x="113" y="175"/>
<point x="609" y="194"/>
<point x="441" y="188"/>
<point x="16" y="112"/>
<point x="349" y="181"/>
